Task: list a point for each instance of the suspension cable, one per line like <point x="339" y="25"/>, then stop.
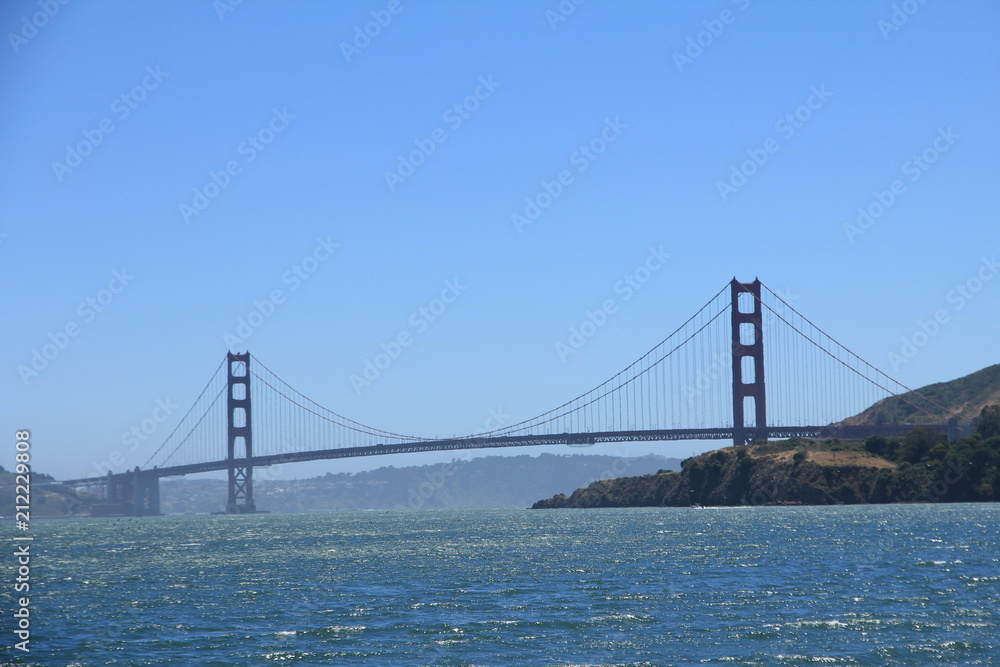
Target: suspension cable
<point x="198" y="423"/>
<point x="854" y="370"/>
<point x="519" y="426"/>
<point x="167" y="439"/>
<point x="369" y="430"/>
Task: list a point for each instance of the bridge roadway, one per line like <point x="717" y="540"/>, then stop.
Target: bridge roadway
<point x="572" y="439"/>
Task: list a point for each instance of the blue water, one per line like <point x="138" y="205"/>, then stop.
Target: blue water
<point x="863" y="585"/>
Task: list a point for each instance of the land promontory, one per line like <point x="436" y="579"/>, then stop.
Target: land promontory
<point x="922" y="467"/>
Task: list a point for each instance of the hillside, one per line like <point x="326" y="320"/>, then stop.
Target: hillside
<point x="489" y="481"/>
<point x="966" y="396"/>
<point x="922" y="467"/>
<point x="47" y="499"/>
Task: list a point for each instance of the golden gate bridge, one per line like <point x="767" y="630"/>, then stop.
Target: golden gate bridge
<point x="247" y="417"/>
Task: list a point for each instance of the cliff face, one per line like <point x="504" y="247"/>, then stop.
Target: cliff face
<point x="918" y="468"/>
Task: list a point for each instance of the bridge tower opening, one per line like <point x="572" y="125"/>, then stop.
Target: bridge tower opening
<point x="239" y="435"/>
<point x="749" y="396"/>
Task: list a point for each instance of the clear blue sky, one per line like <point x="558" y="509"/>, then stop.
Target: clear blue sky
<point x="309" y="128"/>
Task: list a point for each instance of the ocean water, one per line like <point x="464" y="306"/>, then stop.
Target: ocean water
<point x="860" y="585"/>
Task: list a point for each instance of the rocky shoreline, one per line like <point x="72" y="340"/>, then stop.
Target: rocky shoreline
<point x="922" y="467"/>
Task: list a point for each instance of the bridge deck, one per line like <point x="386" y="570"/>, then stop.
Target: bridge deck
<point x="572" y="439"/>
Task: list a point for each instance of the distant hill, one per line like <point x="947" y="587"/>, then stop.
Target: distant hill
<point x="489" y="481"/>
<point x="966" y="396"/>
<point x="48" y="499"/>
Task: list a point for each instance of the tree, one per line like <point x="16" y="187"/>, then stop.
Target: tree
<point x="989" y="421"/>
<point x="917" y="444"/>
<point x="877" y="445"/>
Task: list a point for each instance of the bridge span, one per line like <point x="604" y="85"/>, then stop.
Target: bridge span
<point x="710" y="371"/>
<point x="143" y="484"/>
<point x="569" y="439"/>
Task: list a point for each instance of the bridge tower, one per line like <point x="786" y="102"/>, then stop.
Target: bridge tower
<point x="239" y="435"/>
<point x="131" y="493"/>
<point x="749" y="396"/>
<point x="145" y="493"/>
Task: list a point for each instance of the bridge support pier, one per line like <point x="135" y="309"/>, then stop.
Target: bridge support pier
<point x="145" y="493"/>
<point x="135" y="493"/>
<point x="239" y="435"/>
<point x="748" y="363"/>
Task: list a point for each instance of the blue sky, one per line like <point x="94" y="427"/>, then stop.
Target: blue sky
<point x="203" y="154"/>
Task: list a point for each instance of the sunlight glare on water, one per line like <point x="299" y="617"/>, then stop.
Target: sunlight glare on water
<point x="861" y="585"/>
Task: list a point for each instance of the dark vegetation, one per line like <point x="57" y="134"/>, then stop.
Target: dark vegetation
<point x="921" y="467"/>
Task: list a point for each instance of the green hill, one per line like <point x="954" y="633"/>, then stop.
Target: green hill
<point x="966" y="396"/>
<point x="921" y="467"/>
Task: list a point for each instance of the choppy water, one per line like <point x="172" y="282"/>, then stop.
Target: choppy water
<point x="872" y="585"/>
